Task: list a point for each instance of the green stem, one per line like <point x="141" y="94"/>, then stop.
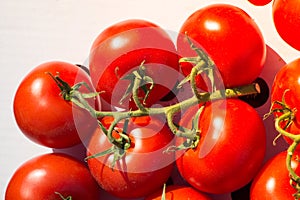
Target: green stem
<point x="205" y="97"/>
<point x="163" y="195"/>
<point x="290" y="152"/>
<point x="62" y="197"/>
<point x="135" y="89"/>
<point x="193" y="75"/>
<point x="169" y="111"/>
<point x="295" y="179"/>
<point x="282" y="118"/>
<point x="193" y="60"/>
<point x="79" y="99"/>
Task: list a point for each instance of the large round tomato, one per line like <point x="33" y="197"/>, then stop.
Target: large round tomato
<point x="144" y="168"/>
<point x="41" y="112"/>
<point x="286" y="17"/>
<point x="50" y="175"/>
<point x="286" y="88"/>
<point x="122" y="48"/>
<point x="273" y="181"/>
<point x="231" y="148"/>
<point x="177" y="192"/>
<point x="230" y="37"/>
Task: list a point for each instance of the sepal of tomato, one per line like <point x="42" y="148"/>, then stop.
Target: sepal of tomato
<point x="144" y="167"/>
<point x="48" y="175"/>
<point x="44" y="116"/>
<point x="231" y="148"/>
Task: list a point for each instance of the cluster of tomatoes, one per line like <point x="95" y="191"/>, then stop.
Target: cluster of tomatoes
<point x="135" y="122"/>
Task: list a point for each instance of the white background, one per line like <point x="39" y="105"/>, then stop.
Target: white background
<point x="34" y="31"/>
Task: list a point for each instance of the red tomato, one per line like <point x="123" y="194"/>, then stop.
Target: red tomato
<point x="176" y="192"/>
<point x="286" y="17"/>
<point x="120" y="49"/>
<point x="48" y="175"/>
<point x="286" y="85"/>
<point x="144" y="168"/>
<point x="230" y="37"/>
<point x="231" y="148"/>
<point x="272" y="182"/>
<point x="43" y="115"/>
<point x="259" y="2"/>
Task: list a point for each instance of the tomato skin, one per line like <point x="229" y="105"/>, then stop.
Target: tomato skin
<point x="230" y="37"/>
<point x="232" y="144"/>
<point x="42" y="176"/>
<point x="286" y="18"/>
<point x="43" y="115"/>
<point x="120" y="49"/>
<point x="272" y="182"/>
<point x="144" y="168"/>
<point x="176" y="192"/>
<point x="259" y="2"/>
<point x="287" y="78"/>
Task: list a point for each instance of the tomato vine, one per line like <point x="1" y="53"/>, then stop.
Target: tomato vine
<point x="202" y="64"/>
